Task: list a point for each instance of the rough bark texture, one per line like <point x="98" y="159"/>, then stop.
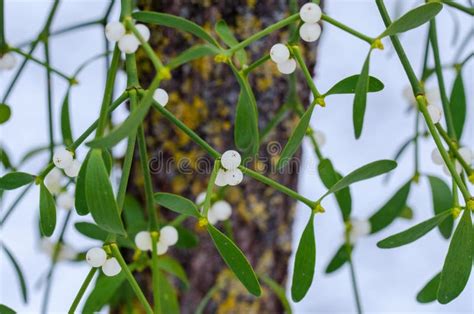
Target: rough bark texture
<point x="203" y="95"/>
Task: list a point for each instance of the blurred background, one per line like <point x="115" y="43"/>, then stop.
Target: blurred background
<point x="388" y="279"/>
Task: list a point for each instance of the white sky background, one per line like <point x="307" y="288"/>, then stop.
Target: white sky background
<point x="388" y="279"/>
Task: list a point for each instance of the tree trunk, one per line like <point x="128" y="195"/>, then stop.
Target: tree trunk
<point x="203" y="94"/>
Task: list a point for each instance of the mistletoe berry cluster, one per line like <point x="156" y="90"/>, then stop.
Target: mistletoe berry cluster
<point x="280" y="54"/>
<point x="127" y="42"/>
<point x="230" y="174"/>
<point x="168" y="237"/>
<point x="97" y="257"/>
<point x="310" y="14"/>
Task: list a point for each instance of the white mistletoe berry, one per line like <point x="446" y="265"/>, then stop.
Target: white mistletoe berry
<point x="466" y="154"/>
<point x="143" y="240"/>
<point x="161" y="96"/>
<point x="65" y="201"/>
<point x="144" y="31"/>
<point x="221" y="210"/>
<point x="310" y="13"/>
<point x="114" y="31"/>
<point x="435" y="113"/>
<point x="201" y="198"/>
<point x="436" y="157"/>
<point x="73" y="170"/>
<point x="62" y="158"/>
<point x="111" y="267"/>
<point x="161" y="248"/>
<point x="359" y="228"/>
<point x="168" y="235"/>
<point x="310" y="32"/>
<point x="96" y="257"/>
<point x="287" y="67"/>
<point x="230" y="160"/>
<point x="52" y="181"/>
<point x="211" y="217"/>
<point x="279" y="53"/>
<point x="7" y="61"/>
<point x="128" y="44"/>
<point x="221" y="178"/>
<point x="234" y="177"/>
<point x="320" y="138"/>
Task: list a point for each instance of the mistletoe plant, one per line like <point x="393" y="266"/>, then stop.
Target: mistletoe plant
<point x="85" y="185"/>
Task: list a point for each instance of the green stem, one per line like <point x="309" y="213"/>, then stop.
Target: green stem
<point x="439" y="73"/>
<point x="458" y="6"/>
<point x="106" y="100"/>
<point x="453" y="147"/>
<point x="418" y="90"/>
<point x="149" y="200"/>
<point x="82" y="290"/>
<point x="155" y="273"/>
<point x="417" y="159"/>
<point x="210" y="187"/>
<point x="354" y="285"/>
<point x="286" y="21"/>
<point x="277" y="186"/>
<point x="50" y="101"/>
<point x="347" y="29"/>
<point x="295" y="51"/>
<point x="133" y="283"/>
<point x="3" y="42"/>
<point x="85" y="135"/>
<point x="256" y="64"/>
<point x="9" y="211"/>
<point x="312" y="138"/>
<point x="148" y="50"/>
<point x="44" y="64"/>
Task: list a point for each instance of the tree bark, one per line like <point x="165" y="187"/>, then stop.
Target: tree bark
<point x="203" y="94"/>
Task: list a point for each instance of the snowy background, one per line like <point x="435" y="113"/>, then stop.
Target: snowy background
<point x="388" y="279"/>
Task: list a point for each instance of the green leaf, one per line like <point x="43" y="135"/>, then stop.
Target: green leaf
<point x="305" y="260"/>
<point x="66" y="121"/>
<point x="360" y="98"/>
<point x="339" y="259"/>
<point x="125" y="129"/>
<point x="329" y="177"/>
<point x="47" y="211"/>
<point x="93" y="231"/>
<point x="413" y="19"/>
<point x="195" y="52"/>
<point x="279" y="292"/>
<point x="349" y="84"/>
<point x="173" y="267"/>
<point x="236" y="260"/>
<point x="442" y="200"/>
<point x="5" y="113"/>
<point x="104" y="289"/>
<point x="428" y="293"/>
<point x="173" y="21"/>
<point x="14" y="180"/>
<point x="19" y="274"/>
<point x="133" y="215"/>
<point x="296" y="138"/>
<point x="246" y="133"/>
<point x="413" y="233"/>
<point x="177" y="204"/>
<point x="100" y="196"/>
<point x="80" y="201"/>
<point x="168" y="301"/>
<point x="5" y="159"/>
<point x="6" y="310"/>
<point x="391" y="210"/>
<point x="224" y="32"/>
<point x="458" y="263"/>
<point x="368" y="171"/>
<point x="458" y="105"/>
